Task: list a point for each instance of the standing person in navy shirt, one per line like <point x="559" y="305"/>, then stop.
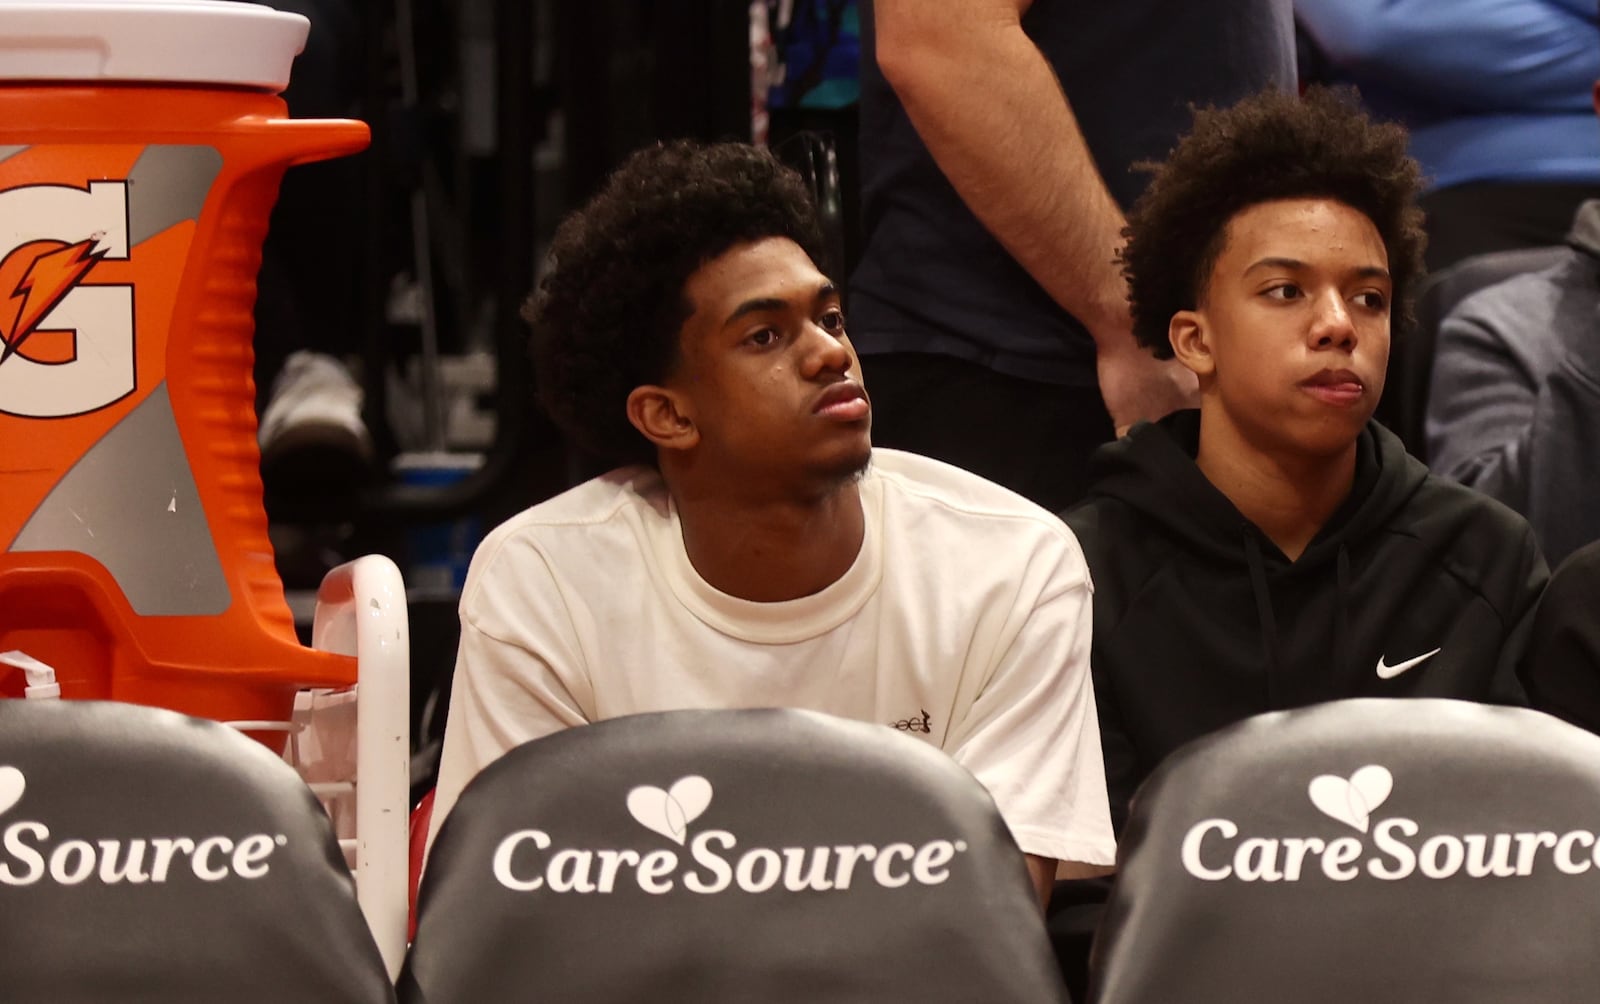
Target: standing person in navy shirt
<point x="996" y="144"/>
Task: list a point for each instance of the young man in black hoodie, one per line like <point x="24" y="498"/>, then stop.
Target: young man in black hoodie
<point x="1277" y="547"/>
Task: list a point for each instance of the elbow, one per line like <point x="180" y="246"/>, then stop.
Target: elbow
<point x="906" y="65"/>
<point x="924" y="46"/>
<point x="915" y="53"/>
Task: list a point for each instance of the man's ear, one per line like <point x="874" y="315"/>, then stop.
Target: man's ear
<point x="662" y="416"/>
<point x="1191" y="342"/>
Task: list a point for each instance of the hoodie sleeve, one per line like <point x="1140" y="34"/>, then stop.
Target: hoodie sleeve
<point x="1123" y="772"/>
<point x="1123" y="766"/>
<point x="1561" y="666"/>
<point x="1523" y="593"/>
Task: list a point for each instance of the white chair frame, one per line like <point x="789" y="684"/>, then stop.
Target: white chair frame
<point x="361" y="612"/>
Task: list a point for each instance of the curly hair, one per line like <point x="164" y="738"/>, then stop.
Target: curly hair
<point x="1268" y="147"/>
<point x="607" y="314"/>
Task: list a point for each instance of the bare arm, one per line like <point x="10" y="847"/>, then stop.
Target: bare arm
<point x="1043" y="873"/>
<point x="988" y="107"/>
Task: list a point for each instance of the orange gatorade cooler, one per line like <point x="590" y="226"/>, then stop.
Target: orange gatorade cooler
<point x="141" y="147"/>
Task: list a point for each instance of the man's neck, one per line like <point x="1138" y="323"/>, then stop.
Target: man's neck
<point x="771" y="551"/>
<point x="1289" y="499"/>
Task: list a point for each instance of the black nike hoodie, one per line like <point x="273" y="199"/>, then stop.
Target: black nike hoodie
<point x="1416" y="587"/>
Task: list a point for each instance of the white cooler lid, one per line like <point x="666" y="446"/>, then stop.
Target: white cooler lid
<point x="216" y="42"/>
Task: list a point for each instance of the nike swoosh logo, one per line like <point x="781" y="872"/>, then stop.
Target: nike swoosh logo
<point x="1387" y="672"/>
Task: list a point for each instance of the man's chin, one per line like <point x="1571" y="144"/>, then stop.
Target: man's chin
<point x="848" y="465"/>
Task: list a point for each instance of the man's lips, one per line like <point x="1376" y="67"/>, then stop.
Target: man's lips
<point x="845" y="401"/>
<point x="1340" y="387"/>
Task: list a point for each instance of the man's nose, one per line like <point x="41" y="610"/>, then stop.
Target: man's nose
<point x="829" y="351"/>
<point x="1332" y="325"/>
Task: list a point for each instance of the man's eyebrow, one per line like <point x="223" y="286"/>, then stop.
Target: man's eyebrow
<point x="756" y="306"/>
<point x="1295" y="264"/>
<point x="1291" y="264"/>
<point x="827" y="289"/>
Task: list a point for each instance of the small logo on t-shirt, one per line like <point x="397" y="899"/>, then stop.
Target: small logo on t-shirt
<point x="922" y="723"/>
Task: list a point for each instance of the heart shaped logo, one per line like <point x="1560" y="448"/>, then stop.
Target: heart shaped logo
<point x="12" y="784"/>
<point x="1352" y="801"/>
<point x="670" y="812"/>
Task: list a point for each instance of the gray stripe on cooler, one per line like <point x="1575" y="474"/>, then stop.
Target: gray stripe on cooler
<point x="131" y="504"/>
<point x="169" y="184"/>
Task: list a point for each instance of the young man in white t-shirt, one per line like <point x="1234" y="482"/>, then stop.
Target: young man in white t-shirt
<point x="758" y="551"/>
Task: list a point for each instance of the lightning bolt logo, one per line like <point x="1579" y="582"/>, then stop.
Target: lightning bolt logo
<point x="47" y="282"/>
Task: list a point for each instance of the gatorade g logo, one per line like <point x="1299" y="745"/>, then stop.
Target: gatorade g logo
<point x="66" y="342"/>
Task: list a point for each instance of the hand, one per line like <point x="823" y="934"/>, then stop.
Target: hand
<point x="1138" y="387"/>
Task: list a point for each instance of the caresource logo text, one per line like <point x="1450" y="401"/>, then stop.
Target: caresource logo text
<point x="28" y="855"/>
<point x="1213" y="852"/>
<point x="716" y="864"/>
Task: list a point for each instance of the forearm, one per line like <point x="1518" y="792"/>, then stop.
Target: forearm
<point x="989" y="109"/>
<point x="1043" y="873"/>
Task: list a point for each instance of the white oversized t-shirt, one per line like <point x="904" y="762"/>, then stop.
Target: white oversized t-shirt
<point x="966" y="613"/>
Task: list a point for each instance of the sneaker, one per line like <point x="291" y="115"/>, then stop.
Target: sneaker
<point x="312" y="433"/>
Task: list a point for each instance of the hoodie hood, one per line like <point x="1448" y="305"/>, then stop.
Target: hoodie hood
<point x="1152" y="469"/>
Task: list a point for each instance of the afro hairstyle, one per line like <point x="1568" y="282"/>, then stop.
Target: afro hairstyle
<point x="1267" y="147"/>
<point x="607" y="315"/>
